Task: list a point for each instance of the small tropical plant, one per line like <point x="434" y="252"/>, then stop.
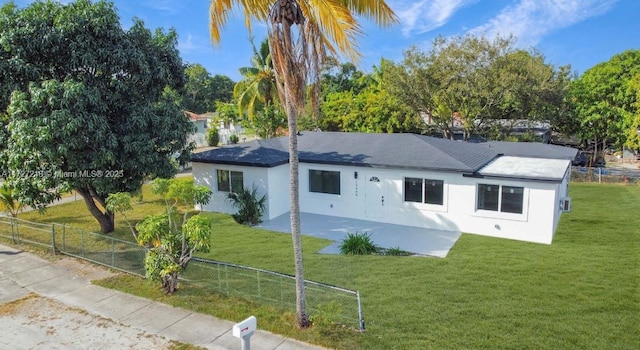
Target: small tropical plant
<point x="171" y="238"/>
<point x="8" y="202"/>
<point x="213" y="137"/>
<point x="358" y="244"/>
<point x="396" y="251"/>
<point x="250" y="206"/>
<point x="233" y="138"/>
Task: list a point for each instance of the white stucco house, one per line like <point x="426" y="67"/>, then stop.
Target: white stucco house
<point x="201" y="124"/>
<point x="500" y="189"/>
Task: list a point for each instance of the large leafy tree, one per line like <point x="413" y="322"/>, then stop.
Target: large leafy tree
<point x="474" y="83"/>
<point x="633" y="132"/>
<point x="86" y="104"/>
<point x="202" y="91"/>
<point x="531" y="91"/>
<point x="360" y="102"/>
<point x="300" y="34"/>
<point x="338" y="77"/>
<point x="605" y="100"/>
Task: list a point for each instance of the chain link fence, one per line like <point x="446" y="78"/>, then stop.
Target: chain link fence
<point x="276" y="289"/>
<point x="606" y="175"/>
<point x="100" y="249"/>
<point x="331" y="303"/>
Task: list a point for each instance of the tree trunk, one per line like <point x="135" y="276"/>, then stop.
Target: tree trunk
<point x="301" y="307"/>
<point x="170" y="283"/>
<point x="290" y="79"/>
<point x="106" y="219"/>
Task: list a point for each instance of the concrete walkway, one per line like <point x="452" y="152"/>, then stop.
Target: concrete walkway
<point x="22" y="273"/>
<point x="419" y="240"/>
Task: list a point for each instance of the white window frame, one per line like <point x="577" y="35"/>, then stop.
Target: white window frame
<point x="324" y="193"/>
<point x="422" y="205"/>
<point x="230" y="182"/>
<point x="497" y="214"/>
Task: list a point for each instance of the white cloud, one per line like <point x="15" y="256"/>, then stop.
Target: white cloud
<point x="530" y="20"/>
<point x="191" y="43"/>
<point x="417" y="17"/>
<point x="169" y="6"/>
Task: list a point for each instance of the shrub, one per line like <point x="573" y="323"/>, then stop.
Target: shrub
<point x="396" y="251"/>
<point x="213" y="137"/>
<point x="358" y="244"/>
<point x="250" y="207"/>
<point x="233" y="138"/>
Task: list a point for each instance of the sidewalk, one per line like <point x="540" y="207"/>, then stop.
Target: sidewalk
<point x="22" y="273"/>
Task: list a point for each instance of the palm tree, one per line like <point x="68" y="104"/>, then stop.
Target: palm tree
<point x="300" y="33"/>
<point x="257" y="89"/>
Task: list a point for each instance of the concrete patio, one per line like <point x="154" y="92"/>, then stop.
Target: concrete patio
<point x="416" y="240"/>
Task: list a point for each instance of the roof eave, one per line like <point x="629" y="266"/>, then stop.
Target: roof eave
<point x="240" y="163"/>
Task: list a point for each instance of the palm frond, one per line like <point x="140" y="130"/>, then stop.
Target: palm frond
<point x="378" y="11"/>
<point x="220" y="9"/>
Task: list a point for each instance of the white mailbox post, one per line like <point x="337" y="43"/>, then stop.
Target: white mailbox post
<point x="244" y="330"/>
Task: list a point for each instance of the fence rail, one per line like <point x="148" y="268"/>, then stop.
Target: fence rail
<point x="277" y="289"/>
<point x="605" y="175"/>
<point x="336" y="304"/>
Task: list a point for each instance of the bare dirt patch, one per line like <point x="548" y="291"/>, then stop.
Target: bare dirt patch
<point x="35" y="322"/>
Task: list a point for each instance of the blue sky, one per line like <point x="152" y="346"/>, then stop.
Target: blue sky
<point x="580" y="33"/>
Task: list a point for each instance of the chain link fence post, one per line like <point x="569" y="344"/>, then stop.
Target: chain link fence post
<point x="53" y="238"/>
<point x="13" y="229"/>
<point x="360" y="317"/>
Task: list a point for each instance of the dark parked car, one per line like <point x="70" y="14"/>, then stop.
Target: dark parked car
<point x="580" y="160"/>
<point x="584" y="159"/>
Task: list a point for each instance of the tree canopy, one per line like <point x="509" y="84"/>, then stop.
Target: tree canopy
<point x="475" y="84"/>
<point x="357" y="102"/>
<point x="605" y="99"/>
<point x="85" y="104"/>
<point x="202" y="91"/>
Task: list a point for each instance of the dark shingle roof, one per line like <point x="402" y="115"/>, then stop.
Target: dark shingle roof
<point x="361" y="149"/>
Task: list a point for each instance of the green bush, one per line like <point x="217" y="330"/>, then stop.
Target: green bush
<point x="213" y="137"/>
<point x="358" y="244"/>
<point x="233" y="138"/>
<point x="396" y="251"/>
<point x="250" y="207"/>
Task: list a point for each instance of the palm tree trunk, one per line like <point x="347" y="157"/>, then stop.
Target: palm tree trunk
<point x="290" y="80"/>
<point x="301" y="307"/>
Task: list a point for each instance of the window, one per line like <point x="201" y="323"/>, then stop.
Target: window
<point x="412" y="189"/>
<point x="230" y="181"/>
<point x="321" y="181"/>
<point x="512" y="199"/>
<point x="423" y="190"/>
<point x="506" y="199"/>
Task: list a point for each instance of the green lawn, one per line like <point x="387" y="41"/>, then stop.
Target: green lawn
<point x="581" y="292"/>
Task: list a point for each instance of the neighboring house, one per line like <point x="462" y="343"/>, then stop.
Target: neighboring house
<point x="226" y="129"/>
<point x="201" y="122"/>
<point x="500" y="189"/>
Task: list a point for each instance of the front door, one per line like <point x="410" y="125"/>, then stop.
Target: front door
<point x="374" y="194"/>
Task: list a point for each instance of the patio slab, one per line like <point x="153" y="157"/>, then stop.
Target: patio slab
<point x="418" y="240"/>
